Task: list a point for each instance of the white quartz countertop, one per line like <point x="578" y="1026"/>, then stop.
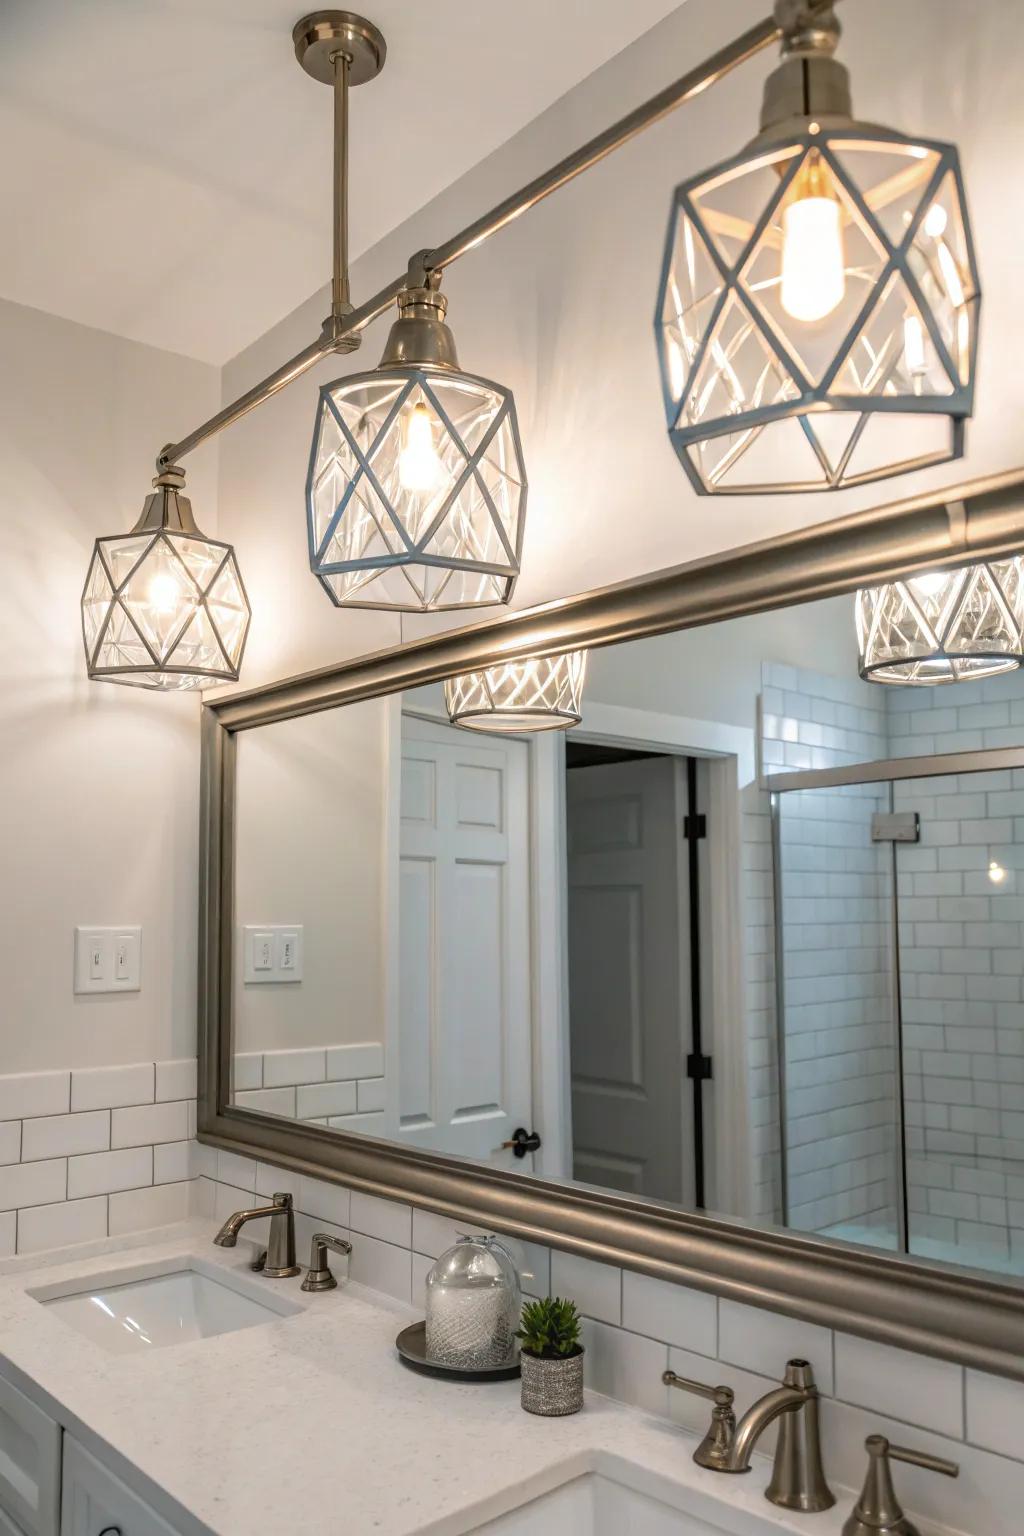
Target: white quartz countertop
<point x="312" y="1423"/>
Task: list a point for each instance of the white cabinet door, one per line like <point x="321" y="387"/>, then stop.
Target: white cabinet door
<point x="463" y="1054"/>
<point x="29" y="1463"/>
<point x="96" y="1503"/>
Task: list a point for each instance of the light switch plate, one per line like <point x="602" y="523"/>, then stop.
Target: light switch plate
<point x="272" y="952"/>
<point x="108" y="959"/>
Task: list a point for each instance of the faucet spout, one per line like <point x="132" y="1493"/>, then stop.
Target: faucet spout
<point x="758" y="1416"/>
<point x="279" y="1259"/>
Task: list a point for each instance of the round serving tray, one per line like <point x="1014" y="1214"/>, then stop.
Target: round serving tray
<point x="412" y="1347"/>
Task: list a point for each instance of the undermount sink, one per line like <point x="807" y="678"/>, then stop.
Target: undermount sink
<point x="153" y="1306"/>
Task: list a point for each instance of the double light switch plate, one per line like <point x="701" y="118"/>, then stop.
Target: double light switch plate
<point x="272" y="952"/>
<point x="108" y="959"/>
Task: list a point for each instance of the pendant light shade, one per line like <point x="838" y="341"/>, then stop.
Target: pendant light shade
<point x="943" y="626"/>
<point x="542" y="693"/>
<point x="818" y="311"/>
<point x="164" y="606"/>
<point x="416" y="494"/>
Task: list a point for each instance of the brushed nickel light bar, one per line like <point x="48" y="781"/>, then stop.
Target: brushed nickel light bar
<point x="326" y="37"/>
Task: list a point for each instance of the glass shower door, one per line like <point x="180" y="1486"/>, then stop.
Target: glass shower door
<point x="960" y="906"/>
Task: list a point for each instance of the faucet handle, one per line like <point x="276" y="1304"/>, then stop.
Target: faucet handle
<point x="714" y="1449"/>
<point x="878" y="1511"/>
<point x="318" y="1275"/>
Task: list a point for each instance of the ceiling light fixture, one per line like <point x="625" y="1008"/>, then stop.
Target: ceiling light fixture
<point x="164" y="606"/>
<point x="818" y="307"/>
<point x="539" y="693"/>
<point x="943" y="626"/>
<point x="416" y="494"/>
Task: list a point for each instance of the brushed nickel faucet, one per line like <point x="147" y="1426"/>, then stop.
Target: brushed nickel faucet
<point x="878" y="1512"/>
<point x="318" y="1275"/>
<point x="798" y="1479"/>
<point x="277" y="1261"/>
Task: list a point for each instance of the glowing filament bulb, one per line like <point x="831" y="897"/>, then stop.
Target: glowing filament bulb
<point x="813" y="267"/>
<point x="164" y="594"/>
<point x="419" y="465"/>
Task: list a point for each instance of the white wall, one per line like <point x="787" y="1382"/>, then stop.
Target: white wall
<point x="98" y="784"/>
<point x="559" y="306"/>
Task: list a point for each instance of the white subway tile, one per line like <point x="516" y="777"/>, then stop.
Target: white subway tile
<point x="625" y="1366"/>
<point x="325" y="1202"/>
<point x="763" y="1342"/>
<point x="995" y="1413"/>
<point x="674" y="1313"/>
<point x="62" y="1135"/>
<point x="381" y="1266"/>
<point x="248" y="1070"/>
<point x="147" y="1124"/>
<point x="110" y="1087"/>
<point x="390" y="1220"/>
<point x="52" y="1226"/>
<point x="202" y="1160"/>
<point x="172" y="1162"/>
<point x="8" y="1233"/>
<point x="271" y="1101"/>
<point x="33" y="1184"/>
<point x="10" y="1141"/>
<point x="139" y="1209"/>
<point x="595" y="1288"/>
<point x="284" y="1068"/>
<point x="271" y="1181"/>
<point x="352" y="1061"/>
<point x="101" y="1172"/>
<point x="914" y="1388"/>
<point x="365" y="1125"/>
<point x="421" y="1266"/>
<point x="315" y="1100"/>
<point x="176" y="1079"/>
<point x="34" y="1093"/>
<point x="371" y="1094"/>
<point x="239" y="1171"/>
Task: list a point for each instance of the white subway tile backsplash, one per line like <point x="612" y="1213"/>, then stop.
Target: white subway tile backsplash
<point x="995" y="1413"/>
<point x="99" y="1173"/>
<point x="146" y="1124"/>
<point x="595" y="1288"/>
<point x="111" y="1087"/>
<point x="172" y="1163"/>
<point x="62" y="1135"/>
<point x="10" y="1141"/>
<point x="913" y="1388"/>
<point x="52" y="1226"/>
<point x="763" y="1341"/>
<point x="8" y="1234"/>
<point x="674" y="1313"/>
<point x="235" y="1170"/>
<point x="381" y="1266"/>
<point x="176" y="1079"/>
<point x="371" y="1094"/>
<point x="33" y="1184"/>
<point x="270" y="1101"/>
<point x="389" y="1220"/>
<point x="625" y="1365"/>
<point x="248" y="1070"/>
<point x="34" y="1093"/>
<point x="326" y="1202"/>
<point x="282" y="1069"/>
<point x="352" y="1061"/>
<point x="315" y="1100"/>
<point x="138" y="1209"/>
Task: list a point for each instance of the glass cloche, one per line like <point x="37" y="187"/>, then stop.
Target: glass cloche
<point x="473" y="1305"/>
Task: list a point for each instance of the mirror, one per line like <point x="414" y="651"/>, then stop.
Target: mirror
<point x="635" y="957"/>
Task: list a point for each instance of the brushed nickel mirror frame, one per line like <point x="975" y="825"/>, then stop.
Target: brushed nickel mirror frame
<point x="957" y="1315"/>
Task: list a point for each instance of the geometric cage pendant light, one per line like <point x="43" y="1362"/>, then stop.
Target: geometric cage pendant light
<point x="164" y="606"/>
<point x="943" y="626"/>
<point x="817" y="316"/>
<point x="416" y="494"/>
<point x="537" y="693"/>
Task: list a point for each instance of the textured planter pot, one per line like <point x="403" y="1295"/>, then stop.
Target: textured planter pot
<point x="552" y="1387"/>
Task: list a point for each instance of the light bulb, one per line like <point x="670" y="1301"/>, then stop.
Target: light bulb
<point x="813" y="269"/>
<point x="935" y="221"/>
<point x="996" y="873"/>
<point x="164" y="594"/>
<point x="419" y="465"/>
<point x="913" y="347"/>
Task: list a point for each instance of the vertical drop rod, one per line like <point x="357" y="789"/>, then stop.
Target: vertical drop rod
<point x="341" y="304"/>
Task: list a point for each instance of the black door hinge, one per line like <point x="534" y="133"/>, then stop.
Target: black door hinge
<point x="695" y="827"/>
<point x="698" y="1067"/>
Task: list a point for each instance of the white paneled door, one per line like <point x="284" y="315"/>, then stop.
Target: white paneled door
<point x="463" y="1078"/>
<point x="629" y="1002"/>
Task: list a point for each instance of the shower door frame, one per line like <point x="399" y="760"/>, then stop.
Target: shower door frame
<point x="884" y="770"/>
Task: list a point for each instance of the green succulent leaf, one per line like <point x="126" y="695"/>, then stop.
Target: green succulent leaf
<point x="550" y="1328"/>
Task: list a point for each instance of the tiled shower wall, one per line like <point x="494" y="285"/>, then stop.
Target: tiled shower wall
<point x="338" y="1085"/>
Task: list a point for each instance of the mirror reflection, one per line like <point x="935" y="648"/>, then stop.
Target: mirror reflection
<point x="719" y="944"/>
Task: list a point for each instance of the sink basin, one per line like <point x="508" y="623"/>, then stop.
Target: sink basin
<point x="153" y="1306"/>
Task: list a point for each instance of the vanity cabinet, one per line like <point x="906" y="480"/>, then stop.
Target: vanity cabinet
<point x="94" y="1502"/>
<point x="29" y="1466"/>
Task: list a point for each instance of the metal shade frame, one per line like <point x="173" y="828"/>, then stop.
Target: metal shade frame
<point x="960" y="663"/>
<point x="415" y="552"/>
<point x="148" y="676"/>
<point x="821" y="396"/>
<point x="975" y="1320"/>
<point x="480" y="701"/>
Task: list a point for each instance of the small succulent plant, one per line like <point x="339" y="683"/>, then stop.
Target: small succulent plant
<point x="550" y="1329"/>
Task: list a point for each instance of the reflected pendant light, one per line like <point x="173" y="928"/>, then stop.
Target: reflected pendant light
<point x="943" y="626"/>
<point x="164" y="606"/>
<point x="540" y="693"/>
<point x="818" y="311"/>
<point x="416" y="494"/>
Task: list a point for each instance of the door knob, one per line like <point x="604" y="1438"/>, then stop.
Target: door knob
<point x="522" y="1142"/>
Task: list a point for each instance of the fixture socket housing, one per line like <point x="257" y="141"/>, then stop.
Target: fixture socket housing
<point x="164" y="606"/>
<point x="757" y="400"/>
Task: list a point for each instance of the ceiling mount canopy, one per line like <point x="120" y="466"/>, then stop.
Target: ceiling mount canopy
<point x="818" y="309"/>
<point x="164" y="606"/>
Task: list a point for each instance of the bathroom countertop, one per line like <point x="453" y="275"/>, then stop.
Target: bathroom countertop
<point x="311" y="1422"/>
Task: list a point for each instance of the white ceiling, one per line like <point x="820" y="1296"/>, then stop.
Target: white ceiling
<point x="166" y="163"/>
